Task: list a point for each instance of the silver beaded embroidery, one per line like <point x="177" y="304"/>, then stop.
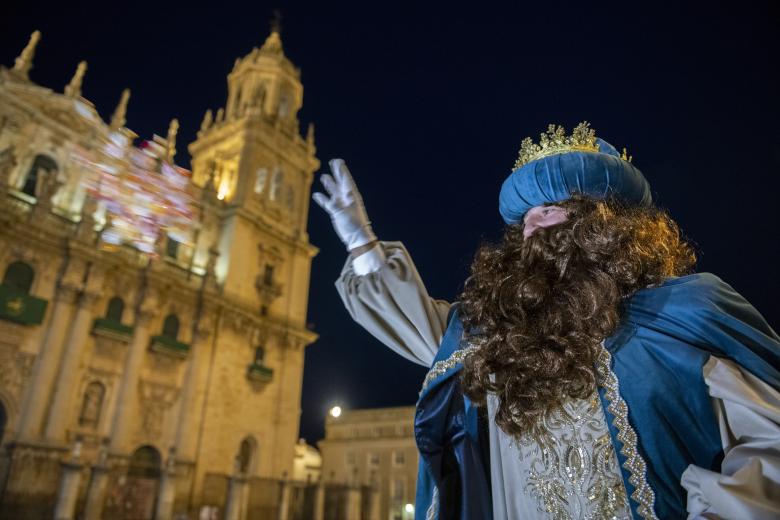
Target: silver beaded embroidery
<point x="442" y="366"/>
<point x="571" y="468"/>
<point x="433" y="509"/>
<point x="643" y="494"/>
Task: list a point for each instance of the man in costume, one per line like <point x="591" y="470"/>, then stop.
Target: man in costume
<point x="584" y="372"/>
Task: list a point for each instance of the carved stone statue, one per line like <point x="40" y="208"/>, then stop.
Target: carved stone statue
<point x="48" y="186"/>
<point x="93" y="402"/>
<point x="207" y="120"/>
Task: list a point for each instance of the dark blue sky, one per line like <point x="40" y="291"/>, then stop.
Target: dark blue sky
<point x="428" y="105"/>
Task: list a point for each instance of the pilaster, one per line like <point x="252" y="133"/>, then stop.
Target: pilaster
<point x="71" y="359"/>
<point x="126" y="401"/>
<point x="46" y="363"/>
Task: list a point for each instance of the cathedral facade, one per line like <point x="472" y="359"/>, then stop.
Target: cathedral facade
<point x="152" y="373"/>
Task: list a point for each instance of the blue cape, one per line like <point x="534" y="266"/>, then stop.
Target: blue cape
<point x="653" y="364"/>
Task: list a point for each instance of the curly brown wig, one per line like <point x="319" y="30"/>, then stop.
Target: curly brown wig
<point x="539" y="308"/>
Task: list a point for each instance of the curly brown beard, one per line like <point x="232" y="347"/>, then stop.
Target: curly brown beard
<point x="539" y="308"/>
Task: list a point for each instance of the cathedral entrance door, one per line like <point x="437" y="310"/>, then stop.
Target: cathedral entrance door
<point x="143" y="479"/>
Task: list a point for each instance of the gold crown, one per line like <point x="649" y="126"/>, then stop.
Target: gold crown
<point x="555" y="141"/>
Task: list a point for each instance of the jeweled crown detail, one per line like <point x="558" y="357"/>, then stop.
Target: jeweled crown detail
<point x="555" y="141"/>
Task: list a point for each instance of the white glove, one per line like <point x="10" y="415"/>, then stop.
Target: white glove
<point x="345" y="206"/>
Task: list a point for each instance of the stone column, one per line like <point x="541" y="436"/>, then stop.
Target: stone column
<point x="319" y="501"/>
<point x="98" y="483"/>
<point x="234" y="508"/>
<point x="167" y="492"/>
<point x="71" y="358"/>
<point x="353" y="503"/>
<point x="126" y="396"/>
<point x="191" y="388"/>
<point x="373" y="504"/>
<point x="70" y="478"/>
<point x="46" y="364"/>
<point x="284" y="501"/>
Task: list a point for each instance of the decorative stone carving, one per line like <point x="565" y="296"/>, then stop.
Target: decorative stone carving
<point x="48" y="186"/>
<point x="15" y="370"/>
<point x="92" y="404"/>
<point x="74" y="87"/>
<point x="7" y="164"/>
<point x="207" y="120"/>
<point x="156" y="400"/>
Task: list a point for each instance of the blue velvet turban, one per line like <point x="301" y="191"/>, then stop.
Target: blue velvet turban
<point x="555" y="178"/>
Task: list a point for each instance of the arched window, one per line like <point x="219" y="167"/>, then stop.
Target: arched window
<point x="41" y="162"/>
<point x="116" y="306"/>
<point x="260" y="178"/>
<point x="276" y="183"/>
<point x="171" y="326"/>
<point x="259" y="96"/>
<point x="284" y="105"/>
<point x="172" y="248"/>
<point x="19" y="276"/>
<point x="246" y="455"/>
<point x="290" y="194"/>
<point x="92" y="404"/>
<point x="259" y="355"/>
<point x="146" y="462"/>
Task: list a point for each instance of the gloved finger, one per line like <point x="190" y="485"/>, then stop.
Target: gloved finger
<point x="345" y="180"/>
<point x="335" y="167"/>
<point x="329" y="184"/>
<point x="321" y="199"/>
<point x="342" y="176"/>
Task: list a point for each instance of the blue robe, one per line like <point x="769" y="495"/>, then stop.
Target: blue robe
<point x="651" y="386"/>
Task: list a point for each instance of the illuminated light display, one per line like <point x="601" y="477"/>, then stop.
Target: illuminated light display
<point x="145" y="196"/>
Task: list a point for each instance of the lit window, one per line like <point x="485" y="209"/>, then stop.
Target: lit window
<point x="260" y="179"/>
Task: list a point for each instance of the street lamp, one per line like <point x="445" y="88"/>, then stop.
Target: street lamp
<point x="335" y="412"/>
<point x="409" y="508"/>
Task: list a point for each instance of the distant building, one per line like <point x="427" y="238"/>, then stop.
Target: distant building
<point x="307" y="465"/>
<point x="152" y="365"/>
<point x="373" y="448"/>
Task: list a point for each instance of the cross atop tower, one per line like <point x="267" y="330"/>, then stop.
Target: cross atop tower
<point x="276" y="22"/>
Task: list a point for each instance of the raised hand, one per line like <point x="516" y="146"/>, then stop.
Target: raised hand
<point x="345" y="206"/>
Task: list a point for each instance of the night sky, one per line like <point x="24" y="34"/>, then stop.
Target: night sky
<point x="428" y="106"/>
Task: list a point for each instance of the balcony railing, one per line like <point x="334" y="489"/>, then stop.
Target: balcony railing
<point x="20" y="307"/>
<point x="259" y="373"/>
<point x="169" y="346"/>
<point x="112" y="329"/>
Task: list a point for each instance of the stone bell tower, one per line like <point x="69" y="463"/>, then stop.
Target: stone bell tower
<point x="252" y="154"/>
<point x="257" y="167"/>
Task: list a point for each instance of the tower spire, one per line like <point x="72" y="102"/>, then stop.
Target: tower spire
<point x="23" y="62"/>
<point x="173" y="129"/>
<point x="310" y="136"/>
<point x="74" y="87"/>
<point x="118" y="120"/>
<point x="273" y="44"/>
<point x="276" y="22"/>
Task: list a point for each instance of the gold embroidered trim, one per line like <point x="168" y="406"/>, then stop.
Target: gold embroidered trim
<point x="636" y="466"/>
<point x="442" y="366"/>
